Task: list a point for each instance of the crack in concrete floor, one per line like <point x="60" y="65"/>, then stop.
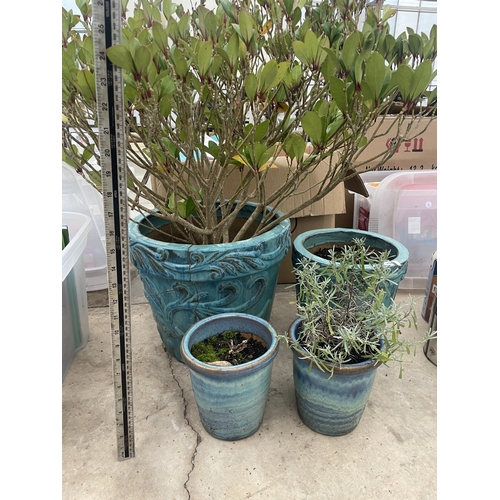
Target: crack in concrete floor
<point x="185" y="415"/>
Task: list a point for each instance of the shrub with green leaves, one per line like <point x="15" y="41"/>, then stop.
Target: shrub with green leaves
<point x="213" y="94"/>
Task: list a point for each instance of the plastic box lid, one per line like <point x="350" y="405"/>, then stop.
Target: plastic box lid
<point x="386" y="197"/>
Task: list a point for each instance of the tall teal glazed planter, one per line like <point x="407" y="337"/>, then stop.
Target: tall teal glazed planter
<point x="305" y="243"/>
<point x="231" y="399"/>
<point x="331" y="406"/>
<point x="186" y="283"/>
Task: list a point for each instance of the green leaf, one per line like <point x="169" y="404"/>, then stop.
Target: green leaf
<point x="261" y="130"/>
<point x="415" y="45"/>
<point x="402" y="78"/>
<point x="331" y="65"/>
<point x="267" y="75"/>
<point x="216" y="64"/>
<point x="130" y="93"/>
<point x="165" y="106"/>
<point x="167" y="86"/>
<point x="179" y="61"/>
<point x="184" y="25"/>
<point x="160" y="36"/>
<point x="233" y="50"/>
<point x="173" y="30"/>
<point x="322" y="54"/>
<point x="288" y="6"/>
<point x="350" y="49"/>
<point x="296" y="75"/>
<point x="171" y="147"/>
<point x="168" y="8"/>
<point x="313" y="126"/>
<point x="120" y="56"/>
<point x="368" y="96"/>
<point x="212" y="148"/>
<point x="421" y="79"/>
<point x="295" y="146"/>
<point x="375" y="75"/>
<point x="338" y="93"/>
<point x="185" y="208"/>
<point x="246" y="26"/>
<point x="388" y="13"/>
<point x="334" y="127"/>
<point x="280" y="74"/>
<point x="251" y="86"/>
<point x="322" y="108"/>
<point x="85" y="81"/>
<point x="204" y="57"/>
<point x="142" y="59"/>
<point x="229" y="9"/>
<point x="358" y="70"/>
<point x="211" y="23"/>
<point x="301" y="52"/>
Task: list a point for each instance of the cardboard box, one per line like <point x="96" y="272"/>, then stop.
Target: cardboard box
<point x="300" y="225"/>
<point x="418" y="154"/>
<point x="332" y="203"/>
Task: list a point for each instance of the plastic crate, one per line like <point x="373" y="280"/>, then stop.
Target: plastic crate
<point x="75" y="321"/>
<point x="404" y="207"/>
<point x="78" y="196"/>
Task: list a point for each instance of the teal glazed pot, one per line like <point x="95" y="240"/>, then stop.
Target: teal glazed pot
<point x="304" y="244"/>
<point x="185" y="283"/>
<point x="230" y="399"/>
<point x="331" y="406"/>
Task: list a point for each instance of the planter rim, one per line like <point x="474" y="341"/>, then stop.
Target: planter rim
<point x="300" y="240"/>
<point x="205" y="368"/>
<point x="134" y="230"/>
<point x="346" y="369"/>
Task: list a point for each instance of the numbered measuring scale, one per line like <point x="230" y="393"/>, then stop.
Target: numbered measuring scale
<point x="112" y="147"/>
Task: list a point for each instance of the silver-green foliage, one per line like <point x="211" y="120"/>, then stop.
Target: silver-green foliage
<point x="344" y="318"/>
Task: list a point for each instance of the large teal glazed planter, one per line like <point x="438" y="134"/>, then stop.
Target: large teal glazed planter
<point x="230" y="399"/>
<point x="304" y="244"/>
<point x="186" y="283"/>
<point x="330" y="406"/>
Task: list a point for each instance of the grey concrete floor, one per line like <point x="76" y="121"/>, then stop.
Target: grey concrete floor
<point x="392" y="454"/>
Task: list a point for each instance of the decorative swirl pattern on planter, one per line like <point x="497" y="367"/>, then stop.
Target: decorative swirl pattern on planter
<point x="186" y="283"/>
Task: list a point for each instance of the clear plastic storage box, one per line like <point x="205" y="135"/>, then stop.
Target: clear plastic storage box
<point x="78" y="196"/>
<point x="361" y="210"/>
<point x="404" y="207"/>
<point x="75" y="320"/>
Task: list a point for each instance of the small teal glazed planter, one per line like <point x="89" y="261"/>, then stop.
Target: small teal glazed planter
<point x="305" y="243"/>
<point x="230" y="399"/>
<point x="330" y="406"/>
<point x="186" y="283"/>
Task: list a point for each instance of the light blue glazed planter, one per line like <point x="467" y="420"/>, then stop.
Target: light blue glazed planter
<point x="186" y="283"/>
<point x="304" y="244"/>
<point x="333" y="407"/>
<point x="231" y="399"/>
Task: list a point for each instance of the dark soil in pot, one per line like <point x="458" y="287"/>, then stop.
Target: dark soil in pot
<point x="229" y="348"/>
